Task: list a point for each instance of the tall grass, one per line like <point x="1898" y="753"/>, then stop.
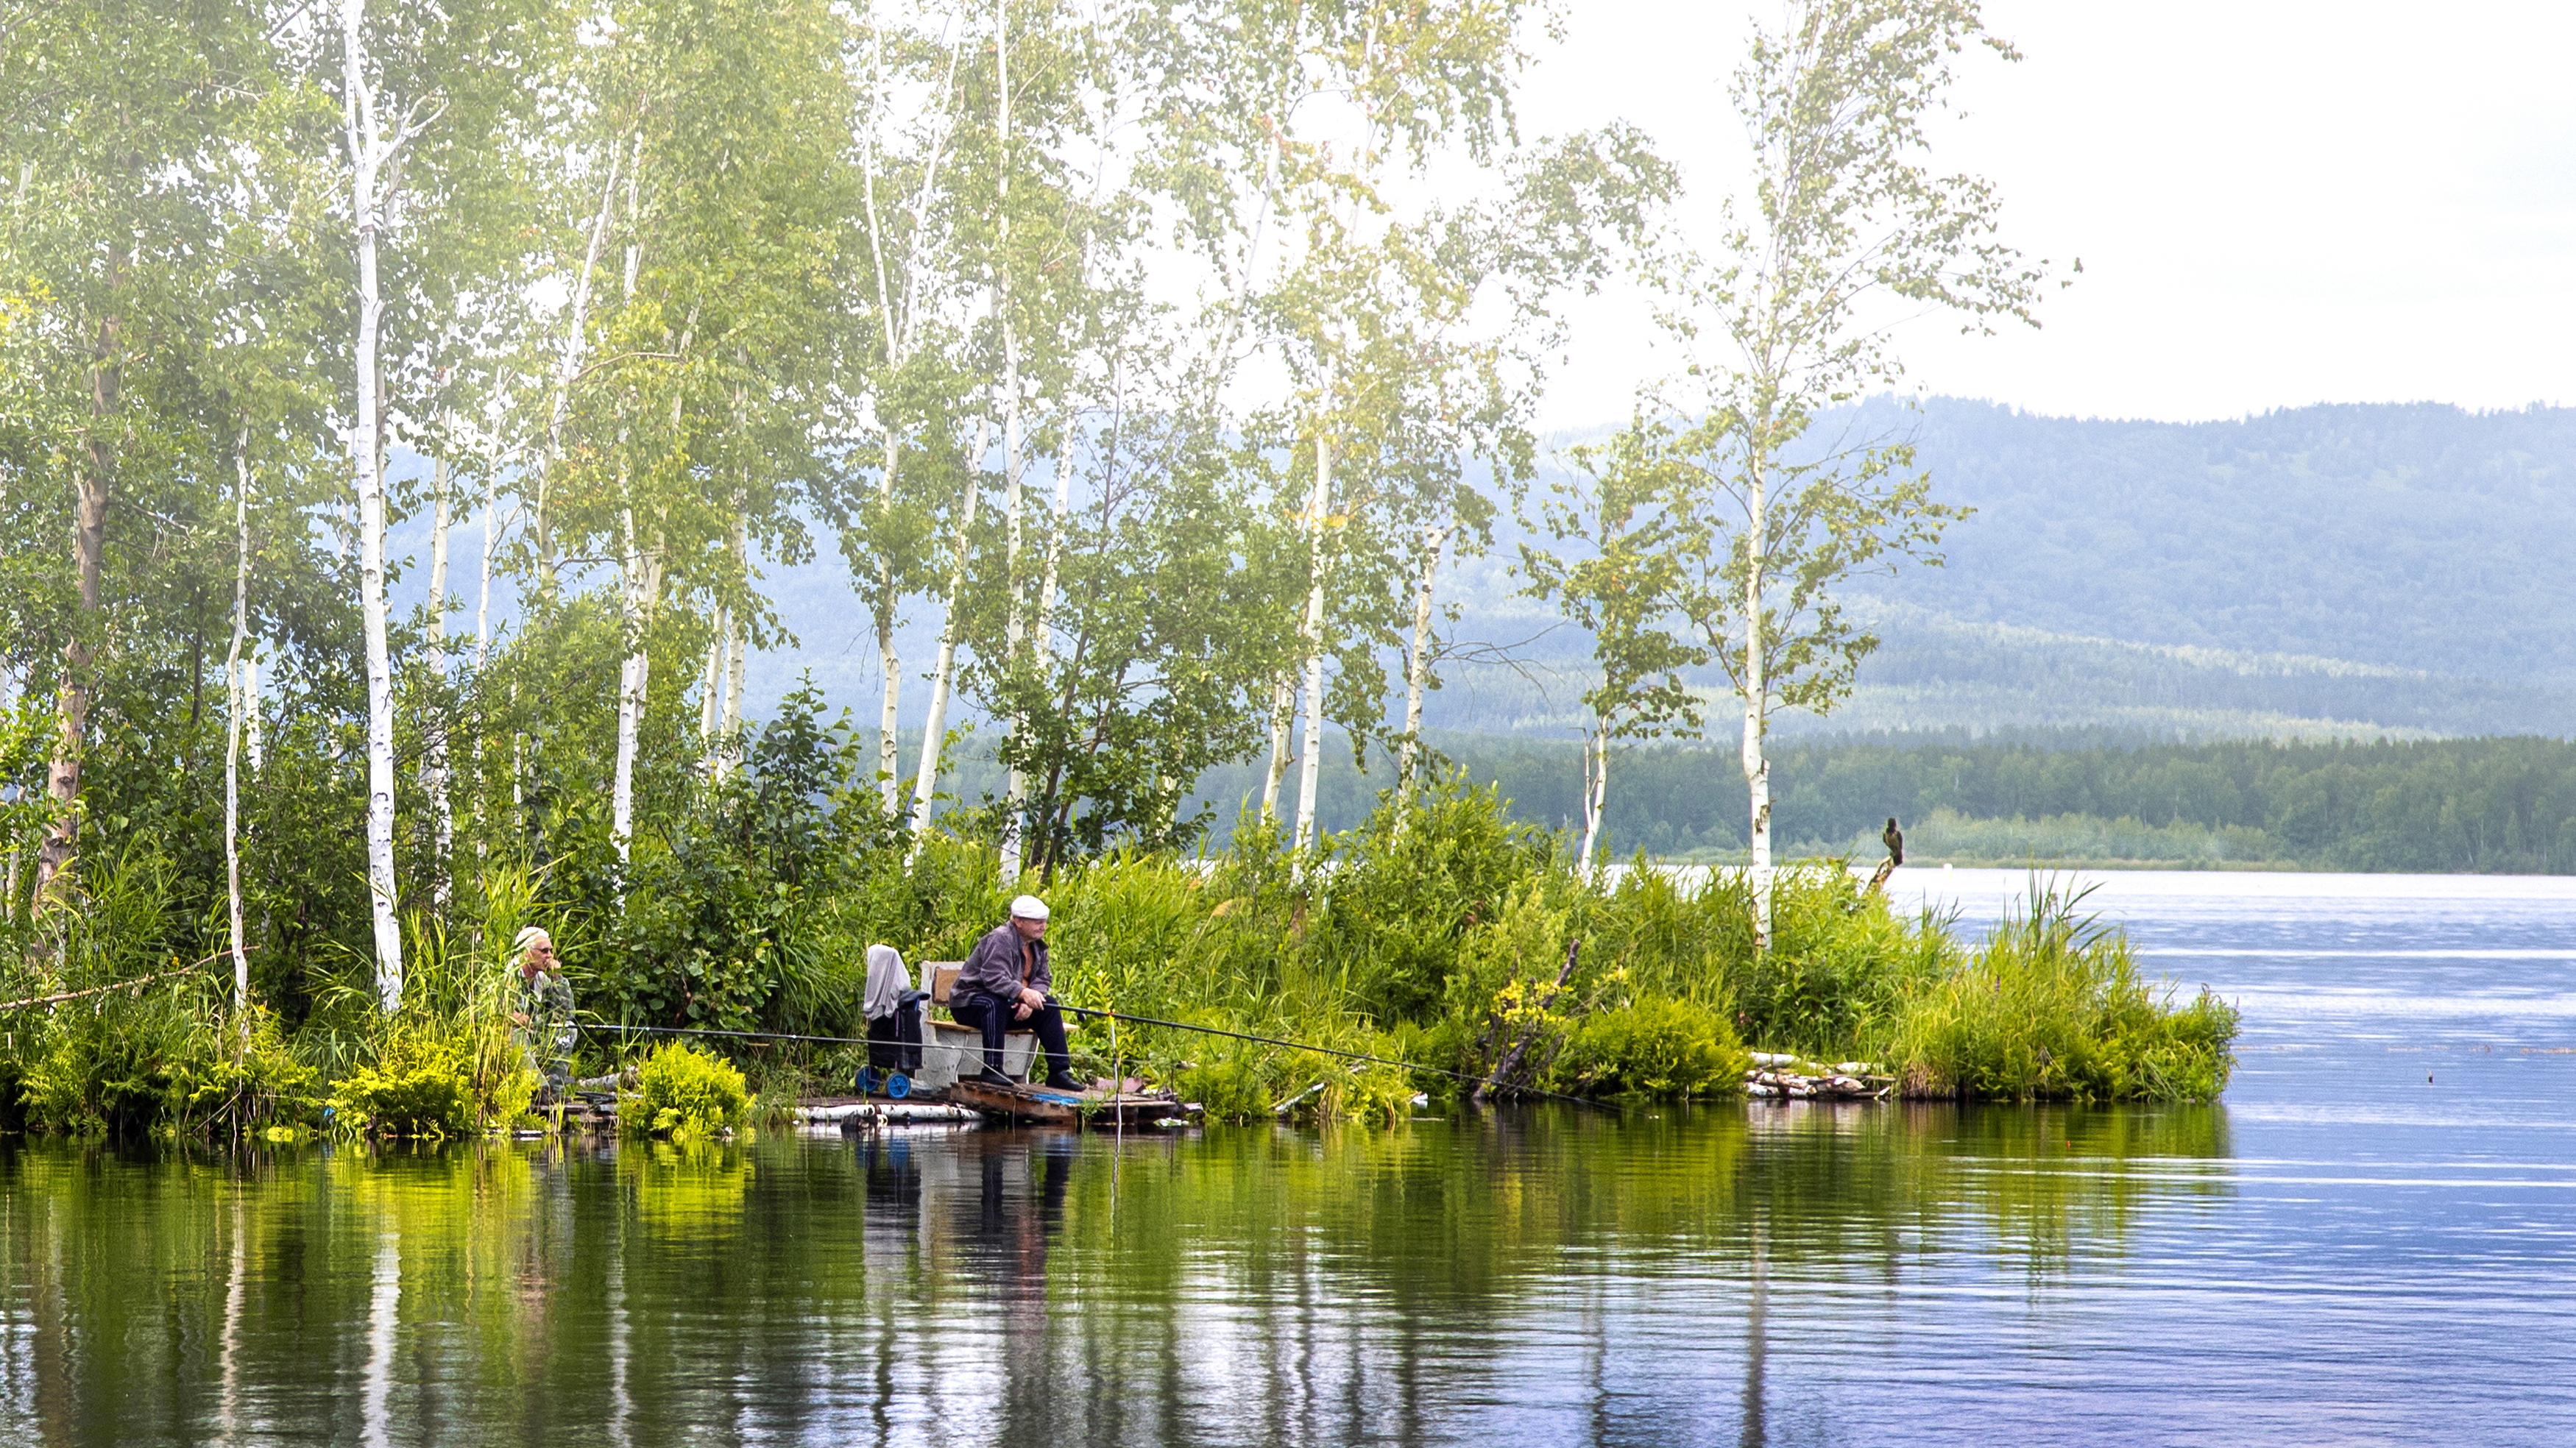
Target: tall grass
<point x="2052" y="1007"/>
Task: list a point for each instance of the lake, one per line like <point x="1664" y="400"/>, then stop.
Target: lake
<point x="2372" y="1239"/>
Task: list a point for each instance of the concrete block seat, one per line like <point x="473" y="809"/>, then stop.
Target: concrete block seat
<point x="949" y="1050"/>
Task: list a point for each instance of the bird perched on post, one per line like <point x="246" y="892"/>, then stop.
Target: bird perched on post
<point x="1895" y="840"/>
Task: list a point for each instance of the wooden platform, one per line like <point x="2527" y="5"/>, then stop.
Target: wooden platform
<point x="1038" y="1105"/>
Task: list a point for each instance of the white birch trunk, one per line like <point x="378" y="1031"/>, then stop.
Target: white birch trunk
<point x="236" y="697"/>
<point x="889" y="663"/>
<point x="1596" y="789"/>
<point x="630" y="691"/>
<point x="1757" y="696"/>
<point x="641" y="590"/>
<point x="711" y="694"/>
<point x="250" y="702"/>
<point x="567" y="367"/>
<point x="1417" y="659"/>
<point x="898" y="321"/>
<point x="729" y="723"/>
<point x="433" y="754"/>
<point x="1014" y="624"/>
<point x="1283" y="707"/>
<point x="925" y="780"/>
<point x="889" y="717"/>
<point x="482" y="646"/>
<point x="483" y="592"/>
<point x="1309" y="768"/>
<point x="635" y="566"/>
<point x="366" y="154"/>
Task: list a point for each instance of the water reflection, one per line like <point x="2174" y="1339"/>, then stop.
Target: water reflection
<point x="1542" y="1275"/>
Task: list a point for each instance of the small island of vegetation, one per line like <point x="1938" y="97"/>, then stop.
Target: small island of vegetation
<point x="1438" y="932"/>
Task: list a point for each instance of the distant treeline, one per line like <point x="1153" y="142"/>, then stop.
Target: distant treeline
<point x="2492" y="806"/>
<point x="2486" y="805"/>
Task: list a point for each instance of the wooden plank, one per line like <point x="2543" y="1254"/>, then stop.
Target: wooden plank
<point x="1048" y="1107"/>
<point x="1067" y="1108"/>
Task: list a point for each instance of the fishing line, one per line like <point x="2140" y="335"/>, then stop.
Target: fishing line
<point x="1115" y="1016"/>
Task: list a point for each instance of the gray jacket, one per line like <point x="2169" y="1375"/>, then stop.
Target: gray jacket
<point x="994" y="966"/>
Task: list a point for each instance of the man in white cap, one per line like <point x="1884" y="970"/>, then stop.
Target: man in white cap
<point x="1003" y="987"/>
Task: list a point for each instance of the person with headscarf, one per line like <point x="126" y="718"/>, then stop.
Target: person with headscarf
<point x="1005" y="986"/>
<point x="541" y="1020"/>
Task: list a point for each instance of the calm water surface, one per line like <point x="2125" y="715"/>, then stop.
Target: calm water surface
<point x="2372" y="1240"/>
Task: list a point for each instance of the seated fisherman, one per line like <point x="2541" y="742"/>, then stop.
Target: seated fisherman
<point x="1003" y="987"/>
<point x="542" y="1024"/>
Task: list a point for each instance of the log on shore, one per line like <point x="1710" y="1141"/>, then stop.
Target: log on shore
<point x="1779" y="1077"/>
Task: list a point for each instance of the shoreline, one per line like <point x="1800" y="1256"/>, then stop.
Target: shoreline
<point x="2082" y="862"/>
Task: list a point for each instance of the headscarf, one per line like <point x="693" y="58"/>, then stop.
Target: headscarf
<point x="887" y="981"/>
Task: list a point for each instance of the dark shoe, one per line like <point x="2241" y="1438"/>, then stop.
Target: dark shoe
<point x="1064" y="1081"/>
<point x="991" y="1077"/>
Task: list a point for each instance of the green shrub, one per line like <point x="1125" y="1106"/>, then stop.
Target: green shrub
<point x="681" y="1092"/>
<point x="259" y="1085"/>
<point x="1412" y="883"/>
<point x="1229" y="1090"/>
<point x="170" y="1060"/>
<point x="1502" y="1001"/>
<point x="1660" y="1049"/>
<point x="420" y="1084"/>
<point x="1840" y="966"/>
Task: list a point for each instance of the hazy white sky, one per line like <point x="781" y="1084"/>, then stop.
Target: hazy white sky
<point x="2277" y="202"/>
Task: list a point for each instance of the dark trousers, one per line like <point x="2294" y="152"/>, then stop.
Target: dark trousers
<point x="992" y="1016"/>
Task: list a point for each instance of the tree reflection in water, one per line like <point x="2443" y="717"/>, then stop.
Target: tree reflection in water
<point x="1537" y="1275"/>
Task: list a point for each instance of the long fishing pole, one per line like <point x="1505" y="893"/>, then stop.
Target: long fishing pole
<point x="1326" y="1051"/>
<point x="1133" y="1020"/>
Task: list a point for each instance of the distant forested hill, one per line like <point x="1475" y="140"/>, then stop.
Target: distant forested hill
<point x="2317" y="573"/>
<point x="2324" y="572"/>
<point x="2418" y="536"/>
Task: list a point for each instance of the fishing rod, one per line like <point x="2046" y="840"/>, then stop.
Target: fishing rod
<point x="1326" y="1051"/>
<point x="1131" y="1020"/>
<point x="136" y="984"/>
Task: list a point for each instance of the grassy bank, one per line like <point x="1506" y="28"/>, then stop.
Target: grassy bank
<point x="1438" y="933"/>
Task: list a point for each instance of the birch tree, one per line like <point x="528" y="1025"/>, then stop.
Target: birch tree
<point x="1574" y="208"/>
<point x="240" y="697"/>
<point x="1317" y="109"/>
<point x="934" y="732"/>
<point x="905" y="160"/>
<point x="372" y="146"/>
<point x="1621" y="584"/>
<point x="695" y="422"/>
<point x="1848" y="231"/>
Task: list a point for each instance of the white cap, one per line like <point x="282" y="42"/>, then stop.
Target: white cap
<point x="1028" y="907"/>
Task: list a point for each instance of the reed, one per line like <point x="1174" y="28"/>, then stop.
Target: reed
<point x="2052" y="1006"/>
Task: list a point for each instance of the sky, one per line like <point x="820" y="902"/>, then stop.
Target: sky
<point x="2276" y="202"/>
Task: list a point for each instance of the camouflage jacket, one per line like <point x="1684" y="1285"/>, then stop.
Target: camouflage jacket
<point x="546" y="1000"/>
